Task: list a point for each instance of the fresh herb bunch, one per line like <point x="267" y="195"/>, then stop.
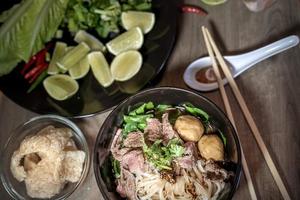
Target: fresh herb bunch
<point x="104" y="16"/>
<point x="161" y="156"/>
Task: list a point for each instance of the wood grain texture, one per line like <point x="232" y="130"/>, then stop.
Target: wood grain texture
<point x="271" y="90"/>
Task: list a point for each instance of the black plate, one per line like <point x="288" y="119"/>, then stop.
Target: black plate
<point x="91" y="97"/>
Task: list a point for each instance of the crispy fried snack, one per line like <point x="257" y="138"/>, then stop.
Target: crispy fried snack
<point x="46" y="161"/>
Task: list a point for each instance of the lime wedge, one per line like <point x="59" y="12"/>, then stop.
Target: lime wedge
<point x="73" y="56"/>
<point x="69" y="48"/>
<point x="90" y="40"/>
<point x="213" y="2"/>
<point x="59" y="51"/>
<point x="80" y="69"/>
<point x="130" y="40"/>
<point x="144" y="20"/>
<point x="100" y="68"/>
<point x="126" y="65"/>
<point x="60" y="86"/>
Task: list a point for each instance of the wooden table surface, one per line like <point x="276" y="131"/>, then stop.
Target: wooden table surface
<point x="271" y="90"/>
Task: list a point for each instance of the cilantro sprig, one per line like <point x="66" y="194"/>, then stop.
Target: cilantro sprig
<point x="161" y="156"/>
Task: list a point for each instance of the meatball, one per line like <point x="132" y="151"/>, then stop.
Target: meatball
<point x="211" y="147"/>
<point x="189" y="128"/>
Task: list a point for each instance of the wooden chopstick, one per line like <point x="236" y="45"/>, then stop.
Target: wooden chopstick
<point x="249" y="119"/>
<point x="229" y="113"/>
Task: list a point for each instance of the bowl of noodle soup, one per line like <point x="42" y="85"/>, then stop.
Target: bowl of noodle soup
<point x="167" y="143"/>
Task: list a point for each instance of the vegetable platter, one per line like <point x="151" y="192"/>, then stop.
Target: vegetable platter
<point x="32" y="34"/>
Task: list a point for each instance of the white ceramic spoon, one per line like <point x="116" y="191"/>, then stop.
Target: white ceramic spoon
<point x="238" y="63"/>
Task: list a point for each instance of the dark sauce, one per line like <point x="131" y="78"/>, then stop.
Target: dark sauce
<point x="207" y="75"/>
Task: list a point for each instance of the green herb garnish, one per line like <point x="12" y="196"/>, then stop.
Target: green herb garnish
<point x="134" y="123"/>
<point x="162" y="107"/>
<point x="190" y="108"/>
<point x="142" y="109"/>
<point x="39" y="79"/>
<point x="161" y="156"/>
<point x="102" y="16"/>
<point x="223" y="137"/>
<point x="116" y="168"/>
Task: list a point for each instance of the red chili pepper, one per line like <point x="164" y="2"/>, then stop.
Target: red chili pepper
<point x="37" y="59"/>
<point x="31" y="72"/>
<point x="28" y="65"/>
<point x="41" y="55"/>
<point x="34" y="70"/>
<point x="38" y="72"/>
<point x="41" y="58"/>
<point x="193" y="9"/>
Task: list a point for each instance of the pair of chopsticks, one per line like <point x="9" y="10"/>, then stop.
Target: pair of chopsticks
<point x="212" y="49"/>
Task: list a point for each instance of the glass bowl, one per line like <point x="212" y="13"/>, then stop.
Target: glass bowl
<point x="16" y="189"/>
<point x="160" y="95"/>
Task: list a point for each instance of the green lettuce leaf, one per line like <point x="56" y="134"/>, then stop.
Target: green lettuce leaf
<point x="47" y="23"/>
<point x="8" y="13"/>
<point x="7" y="62"/>
<point x="15" y="33"/>
<point x="27" y="28"/>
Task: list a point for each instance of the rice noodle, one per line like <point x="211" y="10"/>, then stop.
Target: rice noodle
<point x="192" y="184"/>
